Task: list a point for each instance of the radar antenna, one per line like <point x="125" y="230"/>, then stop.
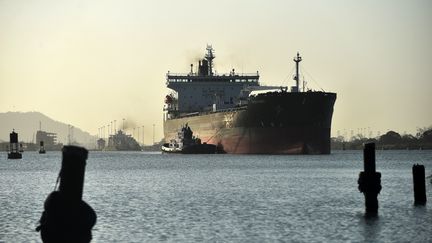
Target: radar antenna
<point x="210" y="56"/>
<point x="297" y="59"/>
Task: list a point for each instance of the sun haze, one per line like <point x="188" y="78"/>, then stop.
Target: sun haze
<point x="91" y="62"/>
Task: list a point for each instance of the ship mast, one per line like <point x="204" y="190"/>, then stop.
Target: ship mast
<point x="210" y="56"/>
<point x="297" y="59"/>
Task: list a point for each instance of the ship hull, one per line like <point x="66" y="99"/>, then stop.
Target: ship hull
<point x="275" y="123"/>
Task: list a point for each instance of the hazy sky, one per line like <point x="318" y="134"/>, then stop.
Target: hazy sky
<point x="89" y="62"/>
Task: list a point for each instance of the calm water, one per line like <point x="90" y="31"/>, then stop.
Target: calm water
<point x="225" y="198"/>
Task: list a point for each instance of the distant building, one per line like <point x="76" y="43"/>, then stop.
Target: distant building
<point x="49" y="139"/>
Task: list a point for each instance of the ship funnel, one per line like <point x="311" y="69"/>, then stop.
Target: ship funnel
<point x="203" y="68"/>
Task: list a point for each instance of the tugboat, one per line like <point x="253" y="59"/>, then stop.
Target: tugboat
<point x="186" y="143"/>
<point x="14" y="152"/>
<point x="42" y="148"/>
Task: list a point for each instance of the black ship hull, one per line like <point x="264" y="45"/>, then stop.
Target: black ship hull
<point x="272" y="123"/>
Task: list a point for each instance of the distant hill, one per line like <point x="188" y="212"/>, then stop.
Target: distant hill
<point x="27" y="123"/>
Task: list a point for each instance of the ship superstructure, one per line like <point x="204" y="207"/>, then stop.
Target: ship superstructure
<point x="48" y="139"/>
<point x="221" y="109"/>
<point x="203" y="90"/>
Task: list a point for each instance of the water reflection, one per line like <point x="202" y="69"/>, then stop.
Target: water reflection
<point x="370" y="227"/>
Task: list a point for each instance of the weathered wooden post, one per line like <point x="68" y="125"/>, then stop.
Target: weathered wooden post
<point x="419" y="184"/>
<point x="369" y="180"/>
<point x="72" y="172"/>
<point x="67" y="218"/>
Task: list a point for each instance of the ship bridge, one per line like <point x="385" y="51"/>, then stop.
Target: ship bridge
<point x="203" y="90"/>
<point x="232" y="77"/>
<point x="204" y="73"/>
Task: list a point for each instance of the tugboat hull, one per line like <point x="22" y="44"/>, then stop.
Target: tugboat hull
<point x="14" y="156"/>
<point x="192" y="149"/>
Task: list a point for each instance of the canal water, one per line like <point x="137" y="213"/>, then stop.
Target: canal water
<point x="148" y="197"/>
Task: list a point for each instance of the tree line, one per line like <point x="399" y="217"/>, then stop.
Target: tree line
<point x="390" y="140"/>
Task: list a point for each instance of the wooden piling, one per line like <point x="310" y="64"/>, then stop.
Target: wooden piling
<point x="72" y="172"/>
<point x="419" y="184"/>
<point x="369" y="158"/>
<point x="369" y="180"/>
<point x="66" y="217"/>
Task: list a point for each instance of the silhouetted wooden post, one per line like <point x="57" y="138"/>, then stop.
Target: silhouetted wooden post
<point x="369" y="180"/>
<point x="67" y="218"/>
<point x="72" y="173"/>
<point x="419" y="184"/>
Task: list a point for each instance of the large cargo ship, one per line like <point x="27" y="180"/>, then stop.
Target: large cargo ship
<point x="240" y="116"/>
<point x="120" y="142"/>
